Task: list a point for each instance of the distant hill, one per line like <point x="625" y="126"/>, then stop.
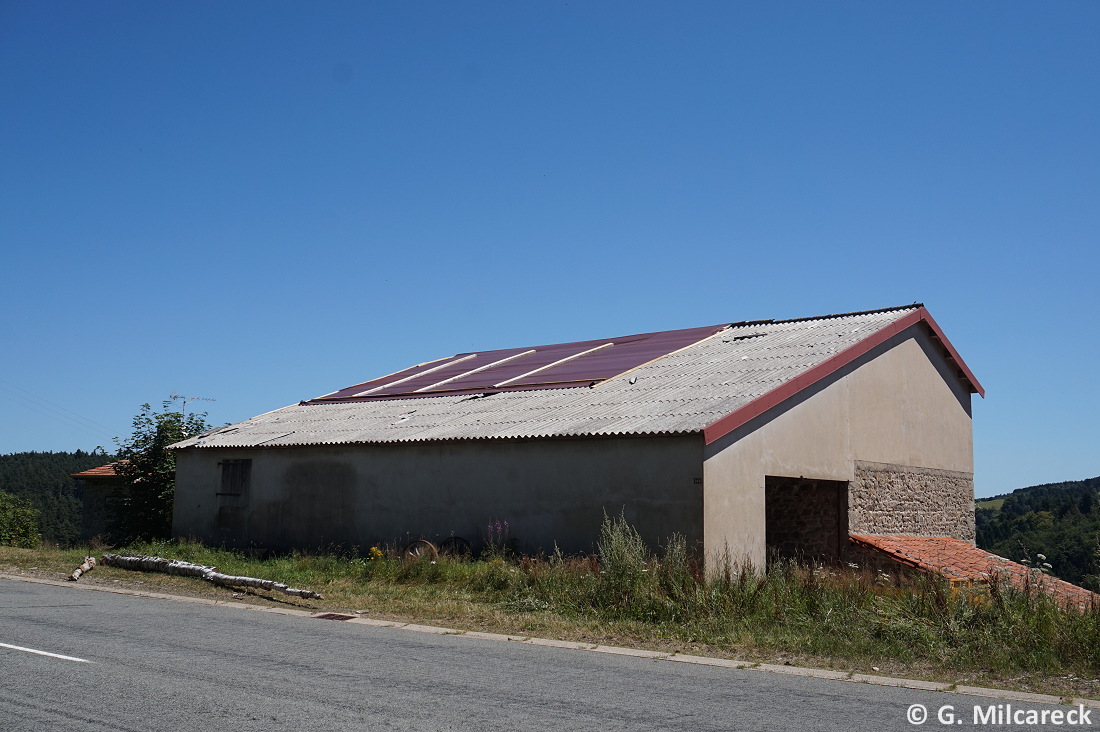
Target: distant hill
<point x="1060" y="520"/>
<point x="43" y="479"/>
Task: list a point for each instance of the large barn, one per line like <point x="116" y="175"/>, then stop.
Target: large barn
<point x="781" y="435"/>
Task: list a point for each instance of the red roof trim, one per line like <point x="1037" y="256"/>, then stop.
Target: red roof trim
<point x="927" y="318"/>
<point x="776" y="396"/>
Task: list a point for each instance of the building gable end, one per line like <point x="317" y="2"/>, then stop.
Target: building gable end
<point x="758" y="406"/>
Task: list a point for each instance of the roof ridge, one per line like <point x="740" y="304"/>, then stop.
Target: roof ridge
<point x="845" y="315"/>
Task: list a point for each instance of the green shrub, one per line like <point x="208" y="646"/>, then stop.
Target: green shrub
<point x="18" y="522"/>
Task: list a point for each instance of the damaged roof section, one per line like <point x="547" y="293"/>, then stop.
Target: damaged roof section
<point x="705" y="380"/>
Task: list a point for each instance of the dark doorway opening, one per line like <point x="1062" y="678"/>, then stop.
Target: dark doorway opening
<point x="805" y="519"/>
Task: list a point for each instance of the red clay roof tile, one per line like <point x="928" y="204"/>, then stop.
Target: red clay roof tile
<point x="103" y="471"/>
<point x="956" y="559"/>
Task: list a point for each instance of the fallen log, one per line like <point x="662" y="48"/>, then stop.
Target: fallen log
<point x="89" y="563"/>
<point x="211" y="574"/>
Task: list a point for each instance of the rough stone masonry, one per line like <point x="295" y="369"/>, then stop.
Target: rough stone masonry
<point x="897" y="499"/>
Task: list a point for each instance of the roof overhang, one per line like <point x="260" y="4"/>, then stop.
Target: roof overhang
<point x="780" y="394"/>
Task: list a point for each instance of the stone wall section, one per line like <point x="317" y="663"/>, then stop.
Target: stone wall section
<point x="908" y="501"/>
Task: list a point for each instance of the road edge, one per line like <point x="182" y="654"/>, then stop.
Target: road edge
<point x="597" y="648"/>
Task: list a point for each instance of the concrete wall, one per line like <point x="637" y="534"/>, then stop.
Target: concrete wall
<point x="548" y="490"/>
<point x="901" y="404"/>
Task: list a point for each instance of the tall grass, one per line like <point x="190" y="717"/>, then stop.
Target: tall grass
<point x="845" y="613"/>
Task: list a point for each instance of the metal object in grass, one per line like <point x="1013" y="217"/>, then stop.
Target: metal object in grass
<point x="455" y="546"/>
<point x="419" y="549"/>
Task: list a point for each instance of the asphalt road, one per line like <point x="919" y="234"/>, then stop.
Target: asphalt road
<point x="164" y="665"/>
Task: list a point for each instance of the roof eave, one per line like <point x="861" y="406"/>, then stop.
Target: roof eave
<point x="967" y="374"/>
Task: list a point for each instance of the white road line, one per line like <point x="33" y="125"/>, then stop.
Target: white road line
<point x="45" y="653"/>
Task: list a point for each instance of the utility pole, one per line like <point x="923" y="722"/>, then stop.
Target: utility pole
<point x="177" y="398"/>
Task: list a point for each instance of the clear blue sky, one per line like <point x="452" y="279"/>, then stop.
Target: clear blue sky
<point x="263" y="202"/>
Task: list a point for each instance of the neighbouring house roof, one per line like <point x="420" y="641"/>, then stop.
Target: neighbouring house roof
<point x="103" y="471"/>
<point x="709" y="380"/>
<point x="957" y="559"/>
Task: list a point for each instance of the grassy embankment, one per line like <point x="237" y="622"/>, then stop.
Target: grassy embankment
<point x="842" y="618"/>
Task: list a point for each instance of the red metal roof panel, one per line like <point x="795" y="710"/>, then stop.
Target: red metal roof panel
<point x="561" y="365"/>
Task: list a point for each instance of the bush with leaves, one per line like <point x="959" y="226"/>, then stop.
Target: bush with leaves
<point x="149" y="470"/>
<point x="18" y="522"/>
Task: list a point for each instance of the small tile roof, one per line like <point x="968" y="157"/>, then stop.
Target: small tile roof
<point x="710" y="386"/>
<point x="103" y="471"/>
<point x="957" y="559"/>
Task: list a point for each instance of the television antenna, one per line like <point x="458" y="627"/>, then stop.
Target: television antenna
<point x="178" y="398"/>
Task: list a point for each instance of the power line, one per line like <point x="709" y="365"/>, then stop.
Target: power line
<point x="85" y="419"/>
<point x="58" y="419"/>
<point x="60" y="416"/>
<point x="68" y="421"/>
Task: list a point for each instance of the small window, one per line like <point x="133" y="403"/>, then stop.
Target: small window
<point x="236" y="482"/>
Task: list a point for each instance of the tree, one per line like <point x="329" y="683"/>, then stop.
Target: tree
<point x="44" y="479"/>
<point x="149" y="471"/>
<point x="18" y="522"/>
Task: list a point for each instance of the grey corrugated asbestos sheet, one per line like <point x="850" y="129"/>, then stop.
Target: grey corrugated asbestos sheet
<point x="682" y="392"/>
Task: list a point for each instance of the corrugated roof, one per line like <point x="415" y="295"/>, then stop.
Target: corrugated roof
<point x="683" y="392"/>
